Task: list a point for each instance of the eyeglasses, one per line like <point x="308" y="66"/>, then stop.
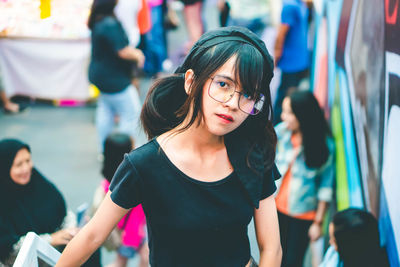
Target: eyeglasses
<point x="222" y="89"/>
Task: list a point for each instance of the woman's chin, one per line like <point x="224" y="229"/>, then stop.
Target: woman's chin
<point x="24" y="180"/>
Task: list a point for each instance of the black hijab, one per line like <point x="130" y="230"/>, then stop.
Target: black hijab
<point x="37" y="206"/>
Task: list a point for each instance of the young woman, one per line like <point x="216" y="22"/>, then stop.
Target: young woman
<point x="30" y="203"/>
<point x="110" y="69"/>
<point x="304" y="156"/>
<point x="354" y="239"/>
<point x="209" y="167"/>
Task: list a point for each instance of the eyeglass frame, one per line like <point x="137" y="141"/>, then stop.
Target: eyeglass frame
<point x="233" y="93"/>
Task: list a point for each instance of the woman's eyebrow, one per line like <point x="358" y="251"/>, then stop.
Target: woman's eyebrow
<point x="226" y="77"/>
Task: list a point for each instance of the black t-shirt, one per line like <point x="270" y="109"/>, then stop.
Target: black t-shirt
<point x="109" y="72"/>
<point x="190" y="222"/>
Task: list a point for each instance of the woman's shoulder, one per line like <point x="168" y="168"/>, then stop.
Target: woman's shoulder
<point x="281" y="129"/>
<point x="45" y="186"/>
<point x="107" y="23"/>
<point x="282" y="133"/>
<point x="144" y="154"/>
<point x="41" y="180"/>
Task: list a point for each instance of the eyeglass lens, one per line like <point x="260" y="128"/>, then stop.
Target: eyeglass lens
<point x="223" y="89"/>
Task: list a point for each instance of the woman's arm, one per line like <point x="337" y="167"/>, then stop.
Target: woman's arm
<point x="93" y="234"/>
<point x="134" y="54"/>
<point x="267" y="232"/>
<point x="324" y="196"/>
<point x="315" y="230"/>
<point x="283" y="29"/>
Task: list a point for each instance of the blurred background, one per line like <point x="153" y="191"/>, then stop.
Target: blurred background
<point x="354" y="72"/>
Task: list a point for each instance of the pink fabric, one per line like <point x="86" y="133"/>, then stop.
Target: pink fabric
<point x="152" y="3"/>
<point x="105" y="184"/>
<point x="134" y="232"/>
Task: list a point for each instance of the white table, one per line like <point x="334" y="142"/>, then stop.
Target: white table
<point x="43" y="68"/>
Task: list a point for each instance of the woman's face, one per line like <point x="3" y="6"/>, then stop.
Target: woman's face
<point x="21" y="168"/>
<point x="288" y="116"/>
<point x="332" y="240"/>
<point x="222" y="118"/>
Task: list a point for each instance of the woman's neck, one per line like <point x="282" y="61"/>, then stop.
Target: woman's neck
<point x="297" y="138"/>
<point x="196" y="137"/>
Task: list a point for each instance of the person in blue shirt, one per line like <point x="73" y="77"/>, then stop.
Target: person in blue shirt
<point x="291" y="51"/>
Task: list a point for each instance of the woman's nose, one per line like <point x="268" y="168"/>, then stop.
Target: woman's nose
<point x="233" y="102"/>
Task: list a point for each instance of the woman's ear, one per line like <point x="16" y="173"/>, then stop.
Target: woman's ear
<point x="189" y="76"/>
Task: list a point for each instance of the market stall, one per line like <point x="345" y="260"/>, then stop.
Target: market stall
<point x="45" y="48"/>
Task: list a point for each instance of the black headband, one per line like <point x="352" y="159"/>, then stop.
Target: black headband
<point x="232" y="33"/>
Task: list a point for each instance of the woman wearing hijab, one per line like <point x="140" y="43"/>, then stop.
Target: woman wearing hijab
<point x="28" y="203"/>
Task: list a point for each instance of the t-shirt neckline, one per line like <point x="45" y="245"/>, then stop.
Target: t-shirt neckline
<point x="182" y="174"/>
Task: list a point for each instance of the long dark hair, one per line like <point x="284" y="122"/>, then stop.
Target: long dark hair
<point x="313" y="126"/>
<point x="115" y="147"/>
<point x="357" y="238"/>
<point x="99" y="10"/>
<point x="167" y="103"/>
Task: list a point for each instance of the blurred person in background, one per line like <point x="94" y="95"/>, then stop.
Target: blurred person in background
<point x="192" y="11"/>
<point x="30" y="203"/>
<point x="304" y="156"/>
<point x="132" y="226"/>
<point x="8" y="105"/>
<point x="127" y="13"/>
<point x="135" y="19"/>
<point x="291" y="49"/>
<point x="354" y="240"/>
<point x="251" y="14"/>
<point x="110" y="70"/>
<point x="224" y="9"/>
<point x="155" y="49"/>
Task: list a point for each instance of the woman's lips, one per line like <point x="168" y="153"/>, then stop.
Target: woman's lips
<point x="225" y="117"/>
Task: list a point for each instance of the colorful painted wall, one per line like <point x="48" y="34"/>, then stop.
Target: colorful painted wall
<point x="356" y="77"/>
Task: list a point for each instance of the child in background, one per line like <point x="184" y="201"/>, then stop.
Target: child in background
<point x="354" y="239"/>
<point x="134" y="223"/>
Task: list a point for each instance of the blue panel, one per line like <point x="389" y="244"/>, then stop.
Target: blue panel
<point x="313" y="73"/>
<point x="353" y="171"/>
<point x="334" y="9"/>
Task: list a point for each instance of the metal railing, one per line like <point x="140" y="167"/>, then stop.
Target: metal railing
<point x="34" y="249"/>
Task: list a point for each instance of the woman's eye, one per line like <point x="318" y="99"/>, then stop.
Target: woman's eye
<point x="247" y="96"/>
<point x="222" y="84"/>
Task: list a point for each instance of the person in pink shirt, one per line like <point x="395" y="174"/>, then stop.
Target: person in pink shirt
<point x="133" y="224"/>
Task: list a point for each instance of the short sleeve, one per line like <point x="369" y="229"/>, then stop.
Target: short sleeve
<point x="288" y="15"/>
<point x="268" y="186"/>
<point x="115" y="35"/>
<point x="125" y="186"/>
